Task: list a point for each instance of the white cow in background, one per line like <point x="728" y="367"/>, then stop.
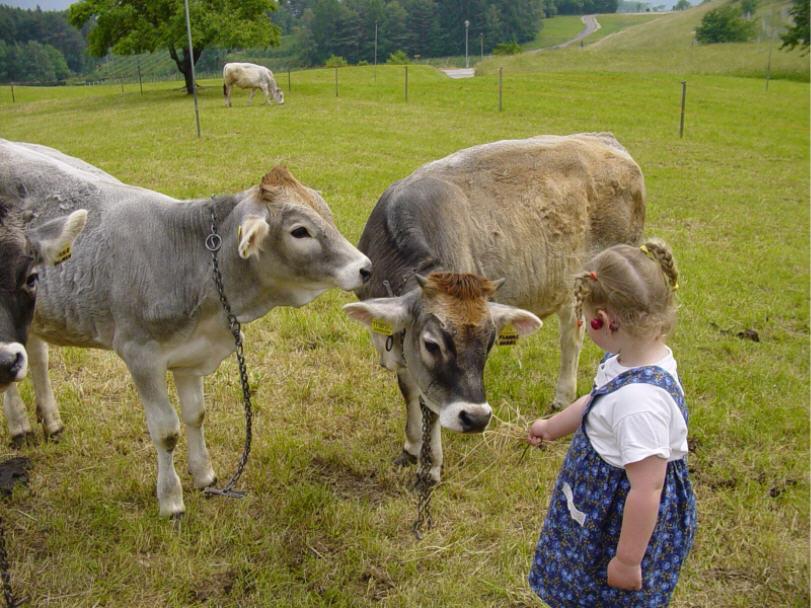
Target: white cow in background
<point x="250" y="76"/>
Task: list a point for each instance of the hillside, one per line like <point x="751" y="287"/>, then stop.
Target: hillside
<point x="665" y="44"/>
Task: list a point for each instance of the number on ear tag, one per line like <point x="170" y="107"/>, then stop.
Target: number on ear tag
<point x="507" y="336"/>
<point x="380" y="326"/>
<point x="64" y="254"/>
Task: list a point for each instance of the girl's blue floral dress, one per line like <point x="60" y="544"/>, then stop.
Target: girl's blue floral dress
<point x="582" y="527"/>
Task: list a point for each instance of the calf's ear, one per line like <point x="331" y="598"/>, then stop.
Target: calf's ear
<point x="53" y="241"/>
<point x="382" y="315"/>
<point x="522" y="320"/>
<point x="252" y="231"/>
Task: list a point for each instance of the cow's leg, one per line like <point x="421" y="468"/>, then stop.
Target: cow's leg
<point x="193" y="411"/>
<point x="413" y="442"/>
<point x="267" y="94"/>
<point x="47" y="409"/>
<point x="571" y="339"/>
<point x="250" y="99"/>
<point x="19" y="429"/>
<point x="164" y="429"/>
<point x="413" y="429"/>
<point x="227" y="92"/>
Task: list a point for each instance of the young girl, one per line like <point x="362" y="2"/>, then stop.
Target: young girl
<point x="622" y="516"/>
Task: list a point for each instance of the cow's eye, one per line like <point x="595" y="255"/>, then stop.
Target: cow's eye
<point x="300" y="233"/>
<point x="32" y="280"/>
<point x="432" y="347"/>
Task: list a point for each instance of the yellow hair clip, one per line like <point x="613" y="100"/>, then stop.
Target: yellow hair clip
<point x="646" y="251"/>
<point x="676" y="287"/>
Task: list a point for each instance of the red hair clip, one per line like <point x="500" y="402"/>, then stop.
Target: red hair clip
<point x="593" y="275"/>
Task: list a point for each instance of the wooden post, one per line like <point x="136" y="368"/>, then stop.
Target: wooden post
<point x="769" y="66"/>
<point x="405" y="88"/>
<point x="500" y="87"/>
<point x="13" y="100"/>
<point x="683" y="100"/>
<point x="289" y="84"/>
<point x="336" y="82"/>
<point x="121" y="82"/>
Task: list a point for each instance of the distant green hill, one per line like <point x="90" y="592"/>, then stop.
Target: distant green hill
<point x="666" y="44"/>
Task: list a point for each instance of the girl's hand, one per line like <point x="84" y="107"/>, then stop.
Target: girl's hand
<point x="624" y="576"/>
<point x="538" y="432"/>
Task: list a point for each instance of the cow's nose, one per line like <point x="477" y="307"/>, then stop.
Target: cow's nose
<point x="366" y="273"/>
<point x="473" y="422"/>
<point x="10" y="366"/>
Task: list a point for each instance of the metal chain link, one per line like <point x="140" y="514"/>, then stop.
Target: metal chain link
<point x="213" y="244"/>
<point x="5" y="572"/>
<point x="425" y="483"/>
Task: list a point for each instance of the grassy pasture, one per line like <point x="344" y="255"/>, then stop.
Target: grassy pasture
<point x="327" y="519"/>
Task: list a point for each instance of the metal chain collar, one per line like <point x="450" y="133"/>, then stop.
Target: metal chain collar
<point x="213" y="244"/>
<point x="425" y="483"/>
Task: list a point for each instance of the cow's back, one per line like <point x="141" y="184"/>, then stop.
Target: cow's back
<point x="528" y="210"/>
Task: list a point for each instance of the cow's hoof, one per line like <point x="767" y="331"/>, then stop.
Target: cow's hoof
<point x="177" y="521"/>
<point x="405" y="459"/>
<point x="54" y="436"/>
<point x="208" y="484"/>
<point x="23" y="439"/>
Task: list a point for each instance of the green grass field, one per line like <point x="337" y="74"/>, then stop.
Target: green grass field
<point x="327" y="518"/>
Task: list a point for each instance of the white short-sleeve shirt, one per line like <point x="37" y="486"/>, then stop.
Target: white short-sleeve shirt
<point x="637" y="420"/>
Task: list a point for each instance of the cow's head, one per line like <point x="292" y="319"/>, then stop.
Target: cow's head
<point x="278" y="95"/>
<point x="442" y="333"/>
<point x="288" y="234"/>
<point x="22" y="250"/>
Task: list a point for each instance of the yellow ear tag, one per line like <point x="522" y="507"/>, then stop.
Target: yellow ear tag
<point x="239" y="234"/>
<point x="507" y="336"/>
<point x="64" y="254"/>
<point x="379" y="326"/>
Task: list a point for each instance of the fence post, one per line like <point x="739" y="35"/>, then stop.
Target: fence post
<point x="13" y="100"/>
<point x="289" y="85"/>
<point x="140" y="81"/>
<point x="683" y="98"/>
<point x="121" y="82"/>
<point x="406" y="83"/>
<point x="336" y="82"/>
<point x="500" y="87"/>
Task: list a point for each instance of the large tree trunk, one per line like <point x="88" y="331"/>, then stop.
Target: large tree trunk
<point x="184" y="65"/>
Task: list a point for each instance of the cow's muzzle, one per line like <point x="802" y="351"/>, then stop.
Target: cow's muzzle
<point x="13" y="363"/>
<point x="466" y="417"/>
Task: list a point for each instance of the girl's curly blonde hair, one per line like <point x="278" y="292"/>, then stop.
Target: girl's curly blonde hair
<point x="635" y="284"/>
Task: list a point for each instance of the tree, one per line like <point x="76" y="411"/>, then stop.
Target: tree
<point x="682" y="5"/>
<point x="798" y="34"/>
<point x="748" y="8"/>
<point x="724" y="24"/>
<point x="130" y="27"/>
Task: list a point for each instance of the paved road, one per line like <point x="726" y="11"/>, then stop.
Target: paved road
<point x="590" y="25"/>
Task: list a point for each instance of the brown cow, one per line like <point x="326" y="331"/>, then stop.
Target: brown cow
<point x="530" y="211"/>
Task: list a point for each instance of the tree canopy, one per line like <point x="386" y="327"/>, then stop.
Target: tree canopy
<point x="798" y="34"/>
<point x="128" y="27"/>
<point x="724" y="24"/>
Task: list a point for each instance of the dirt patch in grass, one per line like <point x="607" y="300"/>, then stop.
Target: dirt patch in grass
<point x="347" y="482"/>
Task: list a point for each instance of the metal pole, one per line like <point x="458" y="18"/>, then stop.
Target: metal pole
<point x="13" y="100"/>
<point x="406" y="83"/>
<point x="140" y="81"/>
<point x="500" y="86"/>
<point x="375" y="69"/>
<point x="481" y="43"/>
<point x="336" y="82"/>
<point x="683" y="99"/>
<point x="467" y="61"/>
<point x="289" y="84"/>
<point x="191" y="64"/>
<point x="769" y="66"/>
<point x="121" y="82"/>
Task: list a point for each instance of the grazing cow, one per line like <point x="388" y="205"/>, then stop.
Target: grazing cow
<point x="529" y="211"/>
<point x="22" y="251"/>
<point x="140" y="283"/>
<point x="250" y="76"/>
